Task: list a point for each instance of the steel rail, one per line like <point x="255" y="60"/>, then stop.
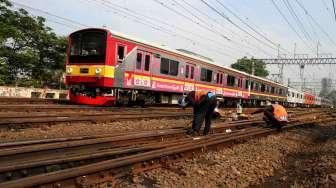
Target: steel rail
<point x="129" y="160"/>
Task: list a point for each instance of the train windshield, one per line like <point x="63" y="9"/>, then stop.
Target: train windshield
<point x="88" y="47"/>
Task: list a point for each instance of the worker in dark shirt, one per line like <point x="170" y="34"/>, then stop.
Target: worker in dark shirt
<point x="204" y="104"/>
<point x="274" y="115"/>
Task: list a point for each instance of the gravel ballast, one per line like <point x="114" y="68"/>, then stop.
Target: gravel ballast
<point x="304" y="157"/>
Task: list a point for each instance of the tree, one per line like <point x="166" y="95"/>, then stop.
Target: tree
<point x="31" y="54"/>
<point x="245" y="65"/>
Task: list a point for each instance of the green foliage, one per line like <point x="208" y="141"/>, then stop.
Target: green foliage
<point x="30" y="53"/>
<point x="332" y="96"/>
<point x="245" y="65"/>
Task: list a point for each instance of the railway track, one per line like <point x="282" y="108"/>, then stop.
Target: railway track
<point x="102" y="117"/>
<point x="25" y="120"/>
<point x="77" y="161"/>
<point x="16" y="100"/>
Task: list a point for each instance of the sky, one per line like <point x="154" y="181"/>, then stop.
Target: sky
<point x="224" y="30"/>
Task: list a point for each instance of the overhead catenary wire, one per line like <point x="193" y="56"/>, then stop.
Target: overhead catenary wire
<point x="150" y="20"/>
<point x="188" y="18"/>
<point x="50" y="14"/>
<point x="233" y="33"/>
<point x="191" y="20"/>
<point x="315" y="22"/>
<point x="159" y="28"/>
<point x="333" y="3"/>
<point x="236" y="25"/>
<point x="81" y="25"/>
<point x="249" y="26"/>
<point x="297" y="20"/>
<point x="289" y="24"/>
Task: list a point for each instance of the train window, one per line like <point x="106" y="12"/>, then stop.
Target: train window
<point x="203" y="74"/>
<point x="209" y="75"/>
<point x="272" y="90"/>
<point x="138" y="61"/>
<point x="263" y="87"/>
<point x="164" y="68"/>
<point x="231" y="80"/>
<point x="280" y="91"/>
<point x="221" y="79"/>
<point x="169" y="67"/>
<point x="187" y="71"/>
<point x="247" y="83"/>
<point x="252" y="85"/>
<point x="192" y="70"/>
<point x="257" y="86"/>
<point x="239" y="82"/>
<point x="121" y="53"/>
<point x="173" y="68"/>
<point x="217" y="78"/>
<point x="147" y="62"/>
<point x="206" y="75"/>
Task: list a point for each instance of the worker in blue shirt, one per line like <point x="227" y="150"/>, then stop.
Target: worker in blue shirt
<point x="204" y="104"/>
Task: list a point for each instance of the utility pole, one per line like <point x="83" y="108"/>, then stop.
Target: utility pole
<point x="252" y="66"/>
<point x="252" y="73"/>
<point x="281" y="67"/>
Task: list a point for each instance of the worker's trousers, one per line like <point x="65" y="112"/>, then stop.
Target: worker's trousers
<point x="203" y="112"/>
<point x="271" y="120"/>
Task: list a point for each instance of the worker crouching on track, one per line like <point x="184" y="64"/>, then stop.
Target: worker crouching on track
<point x="204" y="104"/>
<point x="274" y="115"/>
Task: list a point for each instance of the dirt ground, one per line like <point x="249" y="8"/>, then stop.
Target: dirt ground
<point x="304" y="157"/>
<point x="83" y="129"/>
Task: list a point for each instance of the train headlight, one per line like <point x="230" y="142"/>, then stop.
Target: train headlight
<point x="69" y="70"/>
<point x="98" y="70"/>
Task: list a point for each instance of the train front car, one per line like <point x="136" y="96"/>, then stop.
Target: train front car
<point x="90" y="67"/>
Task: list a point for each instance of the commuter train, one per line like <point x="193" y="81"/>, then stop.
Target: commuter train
<point x="109" y="68"/>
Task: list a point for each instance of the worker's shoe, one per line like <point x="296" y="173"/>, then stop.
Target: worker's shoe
<point x="192" y="133"/>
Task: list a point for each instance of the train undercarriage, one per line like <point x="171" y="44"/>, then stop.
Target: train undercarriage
<point x="101" y="96"/>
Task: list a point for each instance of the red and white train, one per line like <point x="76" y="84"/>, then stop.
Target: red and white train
<point x="107" y="68"/>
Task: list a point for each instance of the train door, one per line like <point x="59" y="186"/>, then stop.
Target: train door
<point x="189" y="84"/>
<point x="142" y="69"/>
<point x="219" y="81"/>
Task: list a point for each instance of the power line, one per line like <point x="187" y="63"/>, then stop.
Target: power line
<point x="253" y="29"/>
<point x="326" y="6"/>
<point x="334" y="8"/>
<point x="233" y="33"/>
<point x="148" y="22"/>
<point x="297" y="20"/>
<point x="236" y="25"/>
<point x="316" y="22"/>
<point x="50" y="14"/>
<point x="191" y="13"/>
<point x="191" y="20"/>
<point x="289" y="24"/>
